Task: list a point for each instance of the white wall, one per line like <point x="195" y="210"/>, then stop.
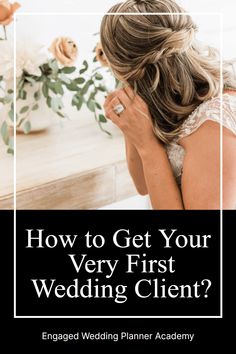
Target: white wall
<point x="227" y="6"/>
<point x="81" y="28"/>
<point x="44" y="29"/>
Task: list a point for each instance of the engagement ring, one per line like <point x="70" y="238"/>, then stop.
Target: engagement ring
<point x="119" y="108"/>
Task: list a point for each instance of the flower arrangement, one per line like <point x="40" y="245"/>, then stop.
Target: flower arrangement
<point x="49" y="75"/>
<point x="7" y="11"/>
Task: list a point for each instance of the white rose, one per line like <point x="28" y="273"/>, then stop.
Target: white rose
<point x="6" y="60"/>
<point x="29" y="57"/>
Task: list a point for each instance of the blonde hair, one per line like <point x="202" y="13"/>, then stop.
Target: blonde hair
<point x="159" y="57"/>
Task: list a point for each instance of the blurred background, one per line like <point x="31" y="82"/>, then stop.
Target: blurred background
<point x="208" y="25"/>
<point x="73" y="164"/>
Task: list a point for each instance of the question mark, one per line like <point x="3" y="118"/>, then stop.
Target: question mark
<point x="208" y="285"/>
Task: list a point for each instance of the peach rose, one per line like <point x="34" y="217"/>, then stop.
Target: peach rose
<point x="65" y="50"/>
<point x="100" y="55"/>
<point x="7" y="11"/>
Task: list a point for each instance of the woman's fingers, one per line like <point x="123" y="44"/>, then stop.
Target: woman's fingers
<point x="125" y="95"/>
<point x="130" y="93"/>
<point x="112" y="103"/>
<point x="124" y="98"/>
<point x="109" y="98"/>
<point x="113" y="117"/>
<point x="133" y="96"/>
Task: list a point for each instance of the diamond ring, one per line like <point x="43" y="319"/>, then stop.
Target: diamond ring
<point x="119" y="108"/>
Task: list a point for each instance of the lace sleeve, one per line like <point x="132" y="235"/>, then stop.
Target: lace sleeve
<point x="211" y="110"/>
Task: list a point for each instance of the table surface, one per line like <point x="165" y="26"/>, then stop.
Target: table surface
<point x="72" y="148"/>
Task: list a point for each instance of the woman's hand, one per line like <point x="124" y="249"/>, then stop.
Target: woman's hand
<point x="135" y="121"/>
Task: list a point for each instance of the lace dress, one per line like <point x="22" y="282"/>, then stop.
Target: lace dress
<point x="208" y="110"/>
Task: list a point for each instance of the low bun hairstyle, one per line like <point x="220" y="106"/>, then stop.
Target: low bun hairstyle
<point x="158" y="56"/>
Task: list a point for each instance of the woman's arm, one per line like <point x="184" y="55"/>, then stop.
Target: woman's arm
<point x="161" y="184"/>
<point x="135" y="167"/>
<point x="202" y="169"/>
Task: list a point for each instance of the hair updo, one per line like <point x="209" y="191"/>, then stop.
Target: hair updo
<point x="158" y="56"/>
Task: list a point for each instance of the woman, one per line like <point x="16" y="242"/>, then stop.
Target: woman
<point x="169" y="108"/>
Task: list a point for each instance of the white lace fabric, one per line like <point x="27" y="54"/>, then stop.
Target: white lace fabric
<point x="208" y="110"/>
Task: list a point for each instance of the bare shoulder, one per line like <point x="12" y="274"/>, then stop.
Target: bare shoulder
<point x="208" y="129"/>
<point x="201" y="169"/>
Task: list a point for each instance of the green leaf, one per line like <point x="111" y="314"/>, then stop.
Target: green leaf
<point x="46" y="70"/>
<point x="45" y="89"/>
<point x="77" y="101"/>
<point x="59" y="88"/>
<point x="98" y="105"/>
<point x="1" y="78"/>
<point x="35" y="107"/>
<point x="24" y="109"/>
<point x="4" y="133"/>
<point x="102" y="88"/>
<point x="104" y="130"/>
<point x="49" y="101"/>
<point x="72" y="86"/>
<point x="93" y="94"/>
<point x="68" y="69"/>
<point x="20" y="84"/>
<point x="102" y="118"/>
<point x="11" y="115"/>
<point x="37" y="95"/>
<point x="84" y="90"/>
<point x="85" y="68"/>
<point x="54" y="66"/>
<point x="91" y="105"/>
<point x="60" y="114"/>
<point x="52" y="87"/>
<point x="20" y="122"/>
<point x="10" y="151"/>
<point x="10" y="91"/>
<point x="79" y="80"/>
<point x="64" y="78"/>
<point x="98" y="76"/>
<point x="27" y="127"/>
<point x="30" y="80"/>
<point x="95" y="59"/>
<point x="56" y="87"/>
<point x="22" y="94"/>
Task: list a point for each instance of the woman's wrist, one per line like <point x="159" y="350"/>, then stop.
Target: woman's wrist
<point x="130" y="147"/>
<point x="152" y="146"/>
